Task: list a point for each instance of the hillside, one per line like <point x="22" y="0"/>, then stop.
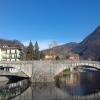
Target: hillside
<point x="62" y="49"/>
<point x="89" y="48"/>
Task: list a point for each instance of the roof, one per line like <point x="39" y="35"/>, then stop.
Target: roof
<point x="7" y="47"/>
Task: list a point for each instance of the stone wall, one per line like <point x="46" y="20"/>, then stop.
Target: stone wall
<point x="45" y="71"/>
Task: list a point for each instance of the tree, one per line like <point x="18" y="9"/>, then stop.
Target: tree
<point x="22" y="55"/>
<point x="57" y="58"/>
<point x="42" y="55"/>
<point x="52" y="46"/>
<point x="36" y="51"/>
<point x="30" y="52"/>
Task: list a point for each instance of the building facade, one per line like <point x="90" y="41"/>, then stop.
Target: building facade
<point x="10" y="53"/>
<point x="73" y="57"/>
<point x="50" y="57"/>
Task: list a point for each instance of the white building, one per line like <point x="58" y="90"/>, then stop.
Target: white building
<point x="10" y="53"/>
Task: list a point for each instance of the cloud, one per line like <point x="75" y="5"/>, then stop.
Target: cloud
<point x="43" y="44"/>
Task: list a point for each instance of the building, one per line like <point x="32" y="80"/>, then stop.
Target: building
<point x="50" y="57"/>
<point x="73" y="57"/>
<point x="10" y="53"/>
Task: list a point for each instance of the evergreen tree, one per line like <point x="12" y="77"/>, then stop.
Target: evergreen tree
<point x="30" y="52"/>
<point x="36" y="52"/>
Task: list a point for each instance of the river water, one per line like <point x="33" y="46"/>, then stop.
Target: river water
<point x="83" y="83"/>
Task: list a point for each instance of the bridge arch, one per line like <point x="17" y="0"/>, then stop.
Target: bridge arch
<point x="73" y="65"/>
<point x="47" y="70"/>
<point x="11" y="69"/>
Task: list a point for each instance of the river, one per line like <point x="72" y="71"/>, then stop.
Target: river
<point x="83" y="84"/>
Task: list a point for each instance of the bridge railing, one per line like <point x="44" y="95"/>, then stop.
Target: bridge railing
<point x="49" y="61"/>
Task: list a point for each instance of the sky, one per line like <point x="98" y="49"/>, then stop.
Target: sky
<point x="45" y="21"/>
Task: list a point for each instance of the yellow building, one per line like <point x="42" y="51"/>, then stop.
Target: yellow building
<point x="50" y="57"/>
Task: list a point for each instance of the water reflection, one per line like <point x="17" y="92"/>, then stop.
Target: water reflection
<point x="8" y="91"/>
<point x="72" y="79"/>
<point x="42" y="92"/>
<point x="49" y="92"/>
<point x="74" y="86"/>
<point x="81" y="83"/>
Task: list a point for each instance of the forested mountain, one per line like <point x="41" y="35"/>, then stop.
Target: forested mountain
<point x="62" y="49"/>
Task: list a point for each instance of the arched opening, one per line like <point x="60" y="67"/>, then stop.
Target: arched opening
<point x="86" y="68"/>
<point x="85" y="77"/>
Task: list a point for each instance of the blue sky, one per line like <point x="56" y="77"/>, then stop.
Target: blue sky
<point x="48" y="20"/>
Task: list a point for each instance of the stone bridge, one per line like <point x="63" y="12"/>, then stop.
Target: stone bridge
<point x="46" y="70"/>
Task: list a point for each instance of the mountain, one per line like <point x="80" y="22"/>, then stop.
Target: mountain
<point x="62" y="49"/>
<point x="89" y="48"/>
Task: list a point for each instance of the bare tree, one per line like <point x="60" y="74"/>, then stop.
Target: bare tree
<point x="52" y="46"/>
